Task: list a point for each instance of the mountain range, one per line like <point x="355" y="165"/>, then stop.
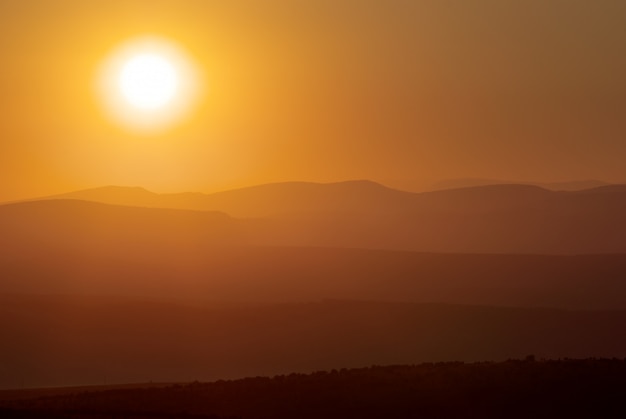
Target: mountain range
<point x="344" y="240"/>
<point x="363" y="214"/>
<point x="575" y="185"/>
<point x="359" y="196"/>
<point x="126" y="285"/>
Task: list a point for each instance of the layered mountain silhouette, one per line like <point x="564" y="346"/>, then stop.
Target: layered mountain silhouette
<point x="262" y="200"/>
<point x="576" y="185"/>
<point x="61" y="246"/>
<point x="363" y="214"/>
<point x="121" y="284"/>
<point x="356" y="197"/>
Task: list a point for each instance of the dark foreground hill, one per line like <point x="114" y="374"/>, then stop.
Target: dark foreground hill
<point x="79" y="340"/>
<point x="591" y="388"/>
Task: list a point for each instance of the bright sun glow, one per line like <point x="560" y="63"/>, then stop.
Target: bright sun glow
<point x="148" y="81"/>
<point x="148" y="85"/>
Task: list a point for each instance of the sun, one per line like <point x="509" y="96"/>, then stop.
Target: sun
<point x="148" y="84"/>
<point x="148" y="81"/>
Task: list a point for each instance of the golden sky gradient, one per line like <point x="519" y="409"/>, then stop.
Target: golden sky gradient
<point x="402" y="92"/>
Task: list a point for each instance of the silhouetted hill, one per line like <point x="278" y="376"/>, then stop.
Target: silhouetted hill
<point x="120" y="195"/>
<point x="491" y="219"/>
<point x="261" y="200"/>
<point x="56" y="221"/>
<point x="354" y="197"/>
<point x="589" y="388"/>
<point x="605" y="190"/>
<point x="488" y="219"/>
<point x="289" y="197"/>
<point x="576" y="185"/>
<point x="83" y="247"/>
<point x="78" y="340"/>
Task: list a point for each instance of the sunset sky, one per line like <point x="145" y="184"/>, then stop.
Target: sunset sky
<point x="405" y="92"/>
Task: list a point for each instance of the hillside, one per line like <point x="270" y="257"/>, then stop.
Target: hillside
<point x="354" y="197"/>
<point x="575" y="185"/>
<point x="512" y="389"/>
<point x="261" y="200"/>
<point x="79" y="340"/>
<point x="361" y="214"/>
<point x="88" y="248"/>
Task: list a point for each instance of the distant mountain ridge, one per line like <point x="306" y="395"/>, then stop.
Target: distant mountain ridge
<point x="575" y="185"/>
<point x="256" y="201"/>
<point x="436" y="262"/>
<point x="359" y="196"/>
<point x="363" y="214"/>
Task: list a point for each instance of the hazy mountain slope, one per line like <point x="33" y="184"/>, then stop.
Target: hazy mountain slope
<point x="261" y="200"/>
<point x="352" y="196"/>
<point x="61" y="221"/>
<point x="489" y="219"/>
<point x="575" y="185"/>
<point x="364" y="197"/>
<point x="82" y="247"/>
<point x="576" y="231"/>
<point x="70" y="340"/>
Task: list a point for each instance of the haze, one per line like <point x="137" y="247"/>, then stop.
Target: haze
<point x="312" y="209"/>
<point x="406" y="93"/>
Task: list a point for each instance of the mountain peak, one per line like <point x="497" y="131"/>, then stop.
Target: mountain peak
<point x="113" y="194"/>
<point x="109" y="189"/>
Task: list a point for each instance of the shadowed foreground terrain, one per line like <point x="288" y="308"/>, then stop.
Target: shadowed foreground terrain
<point x="74" y="340"/>
<point x="94" y="293"/>
<point x="512" y="389"/>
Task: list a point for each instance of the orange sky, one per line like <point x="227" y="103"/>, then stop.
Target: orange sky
<point x="403" y="92"/>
